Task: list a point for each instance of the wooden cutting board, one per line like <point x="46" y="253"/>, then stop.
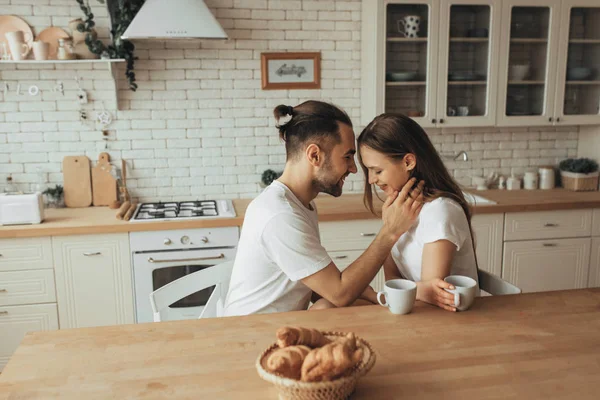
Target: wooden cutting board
<point x="77" y="181"/>
<point x="104" y="184"/>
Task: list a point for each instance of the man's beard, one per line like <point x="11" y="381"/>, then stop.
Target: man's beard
<point x="325" y="182"/>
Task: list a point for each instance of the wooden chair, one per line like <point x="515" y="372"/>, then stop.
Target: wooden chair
<point x="217" y="276"/>
<point x="494" y="285"/>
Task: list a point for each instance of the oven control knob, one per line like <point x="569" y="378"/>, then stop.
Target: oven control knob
<point x="204" y="239"/>
<point x="185" y="240"/>
<point x="167" y="241"/>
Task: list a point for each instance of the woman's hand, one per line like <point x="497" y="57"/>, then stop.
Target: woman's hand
<point x="433" y="292"/>
<point x="400" y="210"/>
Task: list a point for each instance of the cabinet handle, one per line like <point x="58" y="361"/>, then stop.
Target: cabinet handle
<point x="550" y="119"/>
<point x="441" y="120"/>
<point x="433" y="121"/>
<point x="340" y="257"/>
<point x="550" y="245"/>
<point x="3" y="312"/>
<point x="3" y="290"/>
<point x="550" y="224"/>
<point x="153" y="261"/>
<point x="367" y="234"/>
<point x="558" y="119"/>
<point x="97" y="253"/>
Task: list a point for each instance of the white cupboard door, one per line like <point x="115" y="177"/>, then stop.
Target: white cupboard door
<point x="487" y="229"/>
<point x="468" y="62"/>
<point x="93" y="280"/>
<point x="578" y="80"/>
<point x="25" y="253"/>
<point x="528" y="50"/>
<point x="410" y="58"/>
<point x="594" y="276"/>
<point x="16" y="321"/>
<point x="543" y="265"/>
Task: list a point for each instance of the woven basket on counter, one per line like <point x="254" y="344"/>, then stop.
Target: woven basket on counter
<point x="579" y="182"/>
<point x="339" y="389"/>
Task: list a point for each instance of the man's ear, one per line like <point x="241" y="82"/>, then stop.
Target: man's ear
<point x="410" y="161"/>
<point x="314" y="155"/>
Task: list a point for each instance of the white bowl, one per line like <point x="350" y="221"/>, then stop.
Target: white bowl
<point x="518" y="72"/>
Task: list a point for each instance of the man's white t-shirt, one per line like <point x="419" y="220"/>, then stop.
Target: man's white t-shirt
<point x="279" y="245"/>
<point x="440" y="219"/>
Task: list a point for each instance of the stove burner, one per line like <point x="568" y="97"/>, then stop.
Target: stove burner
<point x="184" y="209"/>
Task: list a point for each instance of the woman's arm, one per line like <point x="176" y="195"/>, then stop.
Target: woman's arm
<point x="436" y="265"/>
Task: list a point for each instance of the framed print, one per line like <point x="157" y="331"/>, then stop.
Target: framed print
<point x="291" y="70"/>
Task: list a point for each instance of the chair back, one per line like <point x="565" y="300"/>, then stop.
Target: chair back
<point x="217" y="276"/>
<point x="495" y="285"/>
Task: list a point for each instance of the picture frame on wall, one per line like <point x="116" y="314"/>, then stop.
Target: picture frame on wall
<point x="291" y="70"/>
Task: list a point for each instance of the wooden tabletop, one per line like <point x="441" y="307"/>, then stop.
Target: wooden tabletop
<point x="530" y="346"/>
<point x="79" y="221"/>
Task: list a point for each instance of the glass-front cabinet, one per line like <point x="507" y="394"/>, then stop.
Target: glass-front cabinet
<point x="578" y="90"/>
<point x="528" y="68"/>
<point x="482" y="62"/>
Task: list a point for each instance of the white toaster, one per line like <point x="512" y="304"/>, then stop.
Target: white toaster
<point x="21" y="208"/>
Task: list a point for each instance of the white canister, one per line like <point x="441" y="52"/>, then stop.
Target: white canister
<point x="547" y="177"/>
<point x="530" y="180"/>
<point x="513" y="183"/>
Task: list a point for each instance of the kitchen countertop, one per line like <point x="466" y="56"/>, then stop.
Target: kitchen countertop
<point x="528" y="346"/>
<point x="91" y="220"/>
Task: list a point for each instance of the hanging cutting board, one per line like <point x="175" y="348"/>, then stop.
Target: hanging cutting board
<point x="77" y="181"/>
<point x="104" y="184"/>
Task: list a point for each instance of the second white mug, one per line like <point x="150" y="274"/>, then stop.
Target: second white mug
<point x="464" y="291"/>
<point x="40" y="50"/>
<point x="400" y="295"/>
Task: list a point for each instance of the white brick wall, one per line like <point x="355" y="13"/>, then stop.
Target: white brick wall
<point x="199" y="125"/>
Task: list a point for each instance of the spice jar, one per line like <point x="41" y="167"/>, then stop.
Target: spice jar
<point x="547" y="177"/>
<point x="513" y="183"/>
<point x="530" y="180"/>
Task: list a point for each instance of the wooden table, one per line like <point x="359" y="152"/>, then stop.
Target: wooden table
<point x="544" y="345"/>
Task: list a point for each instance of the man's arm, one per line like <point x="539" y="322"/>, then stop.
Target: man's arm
<point x="342" y="288"/>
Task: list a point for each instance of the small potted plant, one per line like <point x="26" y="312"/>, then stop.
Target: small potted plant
<point x="579" y="174"/>
<point x="54" y="197"/>
<point x="268" y="176"/>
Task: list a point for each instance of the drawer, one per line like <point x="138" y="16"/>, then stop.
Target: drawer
<point x="548" y="224"/>
<point x="25" y="253"/>
<point x="596" y="223"/>
<point x="343" y="259"/>
<point x="27" y="287"/>
<point x="16" y="321"/>
<point x="349" y="235"/>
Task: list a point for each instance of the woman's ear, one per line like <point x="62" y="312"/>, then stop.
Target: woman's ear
<point x="314" y="155"/>
<point x="410" y="161"/>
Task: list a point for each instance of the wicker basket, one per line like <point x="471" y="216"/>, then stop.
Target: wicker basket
<point x="339" y="389"/>
<point x="580" y="182"/>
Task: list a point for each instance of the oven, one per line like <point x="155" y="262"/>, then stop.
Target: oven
<point x="164" y="256"/>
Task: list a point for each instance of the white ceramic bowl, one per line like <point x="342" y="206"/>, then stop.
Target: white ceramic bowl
<point x="518" y="72"/>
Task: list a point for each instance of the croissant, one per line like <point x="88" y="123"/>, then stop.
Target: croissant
<point x="288" y="361"/>
<point x="332" y="360"/>
<point x="291" y="336"/>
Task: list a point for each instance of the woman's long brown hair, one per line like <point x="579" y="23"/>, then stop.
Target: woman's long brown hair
<point x="395" y="136"/>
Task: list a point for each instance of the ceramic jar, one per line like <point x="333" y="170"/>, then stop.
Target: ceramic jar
<point x="530" y="180"/>
<point x="547" y="177"/>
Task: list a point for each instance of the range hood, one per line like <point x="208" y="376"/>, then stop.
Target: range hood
<point x="174" y="19"/>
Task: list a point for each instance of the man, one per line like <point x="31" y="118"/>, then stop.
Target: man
<point x="280" y="262"/>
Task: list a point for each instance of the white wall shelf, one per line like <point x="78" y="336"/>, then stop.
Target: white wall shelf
<point x="109" y="64"/>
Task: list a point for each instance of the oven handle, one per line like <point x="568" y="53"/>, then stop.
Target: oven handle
<point x="153" y="261"/>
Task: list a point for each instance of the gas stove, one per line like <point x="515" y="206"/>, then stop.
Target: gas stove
<point x="184" y="210"/>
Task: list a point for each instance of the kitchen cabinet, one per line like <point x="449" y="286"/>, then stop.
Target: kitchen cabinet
<point x="27" y="293"/>
<point x="345" y="241"/>
<point x="93" y="280"/>
<point x="548" y="224"/>
<point x="594" y="274"/>
<point x="482" y="62"/>
<point x="488" y="230"/>
<point x="549" y="264"/>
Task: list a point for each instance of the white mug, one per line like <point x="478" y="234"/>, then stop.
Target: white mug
<point x="40" y="50"/>
<point x="409" y="26"/>
<point x="463" y="111"/>
<point x="400" y="295"/>
<point x="464" y="291"/>
<point x="16" y="42"/>
<point x="451" y="111"/>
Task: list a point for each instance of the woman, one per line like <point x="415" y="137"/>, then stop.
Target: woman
<point x="392" y="149"/>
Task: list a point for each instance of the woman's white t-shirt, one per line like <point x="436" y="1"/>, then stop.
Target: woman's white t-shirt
<point x="279" y="246"/>
<point x="440" y="219"/>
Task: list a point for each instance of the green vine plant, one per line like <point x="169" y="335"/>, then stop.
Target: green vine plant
<point x="122" y="13"/>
